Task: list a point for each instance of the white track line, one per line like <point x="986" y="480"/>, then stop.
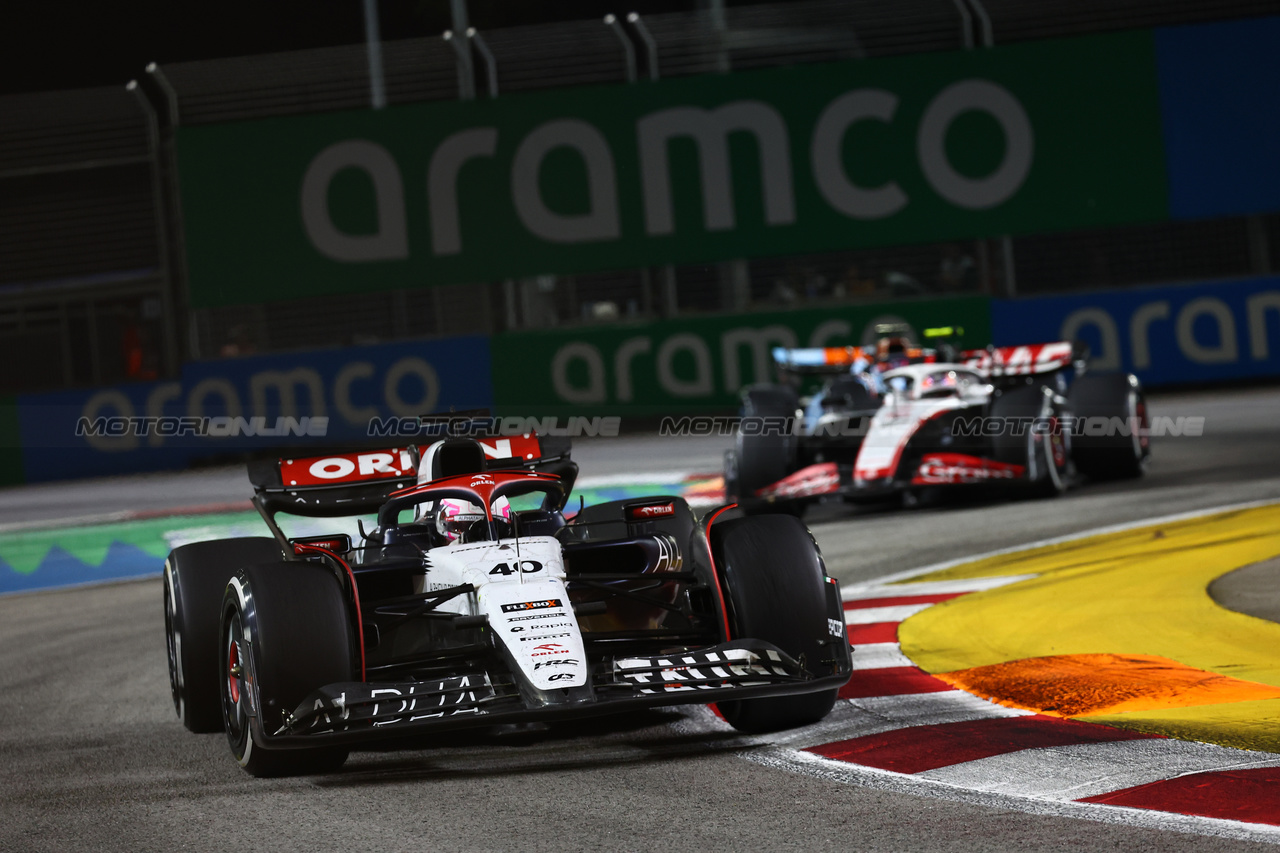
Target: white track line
<point x="1087" y="770"/>
<point x="865" y="592"/>
<point x="853" y="591"/>
<point x="879" y="656"/>
<point x="872" y="615"/>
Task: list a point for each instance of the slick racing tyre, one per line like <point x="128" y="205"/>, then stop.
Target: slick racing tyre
<point x="292" y="619"/>
<point x="1044" y="451"/>
<point x="776" y="589"/>
<point x="195" y="577"/>
<point x="765" y="456"/>
<point x="1110" y="399"/>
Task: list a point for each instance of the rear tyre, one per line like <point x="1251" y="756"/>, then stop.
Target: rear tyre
<point x="1107" y="396"/>
<point x="765" y="456"/>
<point x="292" y="619"/>
<point x="195" y="577"/>
<point x="1044" y="451"/>
<point x="776" y="591"/>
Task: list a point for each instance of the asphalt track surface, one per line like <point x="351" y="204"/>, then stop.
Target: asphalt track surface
<point x="94" y="757"/>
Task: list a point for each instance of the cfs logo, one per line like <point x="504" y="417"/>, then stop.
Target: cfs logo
<point x="527" y="567"/>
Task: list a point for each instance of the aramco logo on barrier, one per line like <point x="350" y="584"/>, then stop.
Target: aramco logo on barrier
<point x="1205" y="330"/>
<point x="709" y="130"/>
<point x="689" y="170"/>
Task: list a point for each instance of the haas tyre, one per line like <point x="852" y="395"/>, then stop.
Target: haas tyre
<point x="195" y="577"/>
<point x="1044" y="449"/>
<point x="287" y="624"/>
<point x="765" y="456"/>
<point x="776" y="591"/>
<point x="1110" y="400"/>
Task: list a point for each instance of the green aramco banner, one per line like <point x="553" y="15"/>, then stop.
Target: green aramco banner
<point x="692" y="365"/>
<point x="1035" y="137"/>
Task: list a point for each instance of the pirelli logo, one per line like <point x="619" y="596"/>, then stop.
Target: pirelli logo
<point x="532" y="605"/>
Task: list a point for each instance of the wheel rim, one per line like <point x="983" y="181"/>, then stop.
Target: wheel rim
<point x="233" y="687"/>
<point x="172" y="646"/>
<point x="1054" y="458"/>
<point x="1141" y="439"/>
<point x="1057" y="445"/>
<point x="1033" y="456"/>
<point x="1053" y="452"/>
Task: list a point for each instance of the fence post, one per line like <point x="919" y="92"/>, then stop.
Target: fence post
<point x="169" y="348"/>
<point x="373" y="46"/>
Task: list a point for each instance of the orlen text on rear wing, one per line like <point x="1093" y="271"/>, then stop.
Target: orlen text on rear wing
<point x="359" y="482"/>
<point x="337" y="484"/>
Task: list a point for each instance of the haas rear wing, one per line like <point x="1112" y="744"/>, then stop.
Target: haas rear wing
<point x="360" y="481"/>
<point x="1023" y="360"/>
<point x="993" y="361"/>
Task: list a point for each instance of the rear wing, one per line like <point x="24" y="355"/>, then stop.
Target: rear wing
<point x="993" y="361"/>
<point x="359" y="482"/>
<point x="1024" y="360"/>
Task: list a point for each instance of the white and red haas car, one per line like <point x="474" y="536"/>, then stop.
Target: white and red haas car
<point x="1025" y="418"/>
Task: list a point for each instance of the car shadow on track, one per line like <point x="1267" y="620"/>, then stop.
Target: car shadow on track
<point x="637" y="738"/>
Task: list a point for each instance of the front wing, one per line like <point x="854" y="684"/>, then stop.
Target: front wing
<point x="744" y="669"/>
<point x="823" y="479"/>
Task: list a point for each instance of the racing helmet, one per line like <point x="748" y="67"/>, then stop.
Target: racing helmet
<point x="892" y="352"/>
<point x="454" y="517"/>
<point x="939" y="384"/>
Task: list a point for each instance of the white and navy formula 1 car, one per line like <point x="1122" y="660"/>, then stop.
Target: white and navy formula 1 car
<point x="911" y="421"/>
<point x="474" y="602"/>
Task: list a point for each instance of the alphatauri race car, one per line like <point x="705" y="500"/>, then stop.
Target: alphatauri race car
<point x="902" y="421"/>
<point x="473" y="601"/>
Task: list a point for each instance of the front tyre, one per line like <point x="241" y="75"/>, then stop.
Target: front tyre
<point x="765" y="453"/>
<point x="195" y="578"/>
<point x="776" y="589"/>
<point x="285" y="633"/>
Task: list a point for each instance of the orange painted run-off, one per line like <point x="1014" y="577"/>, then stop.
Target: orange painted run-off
<point x="1079" y="685"/>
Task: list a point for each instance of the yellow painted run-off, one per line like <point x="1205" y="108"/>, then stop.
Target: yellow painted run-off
<point x="1119" y="629"/>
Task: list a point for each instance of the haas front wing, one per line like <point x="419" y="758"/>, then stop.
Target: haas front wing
<point x="924" y="452"/>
